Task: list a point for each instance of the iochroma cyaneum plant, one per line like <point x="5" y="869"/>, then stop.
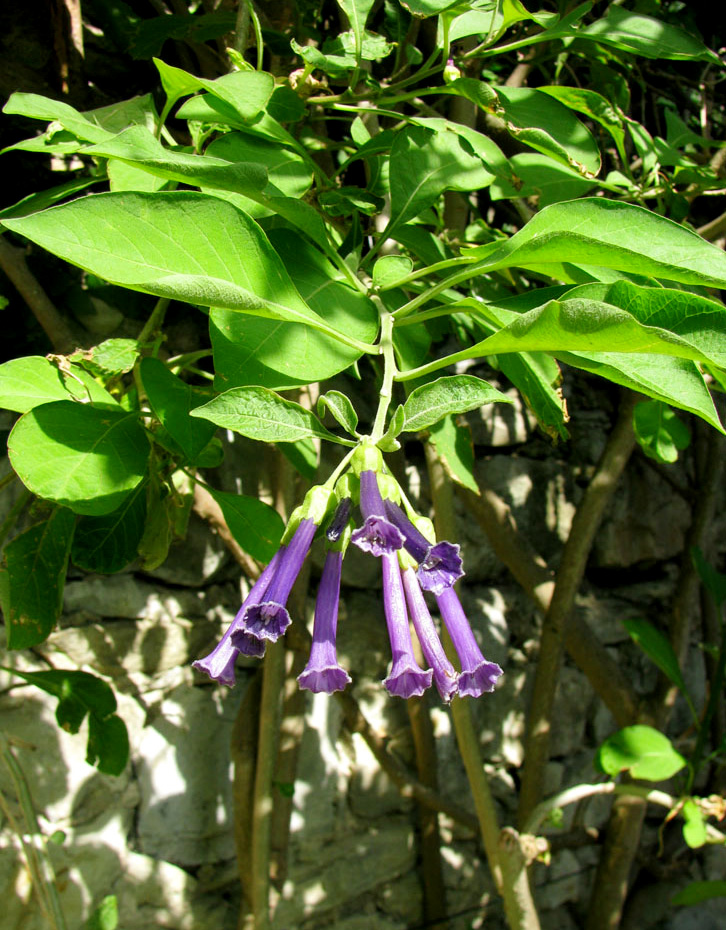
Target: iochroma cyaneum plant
<point x="405" y="203"/>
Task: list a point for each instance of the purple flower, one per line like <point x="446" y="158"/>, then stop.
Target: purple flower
<point x="377" y="535"/>
<point x="219" y="664"/>
<point x="268" y="618"/>
<point x="445" y="675"/>
<point x="337" y="525"/>
<point x="322" y="673"/>
<point x="440" y="565"/>
<point x="406" y="679"/>
<point x="477" y="674"/>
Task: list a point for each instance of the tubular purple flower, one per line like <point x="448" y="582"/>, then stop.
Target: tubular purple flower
<point x="477" y="673"/>
<point x="268" y="619"/>
<point x="440" y="565"/>
<point x="406" y="679"/>
<point x="337" y="525"/>
<point x="219" y="664"/>
<point x="446" y="677"/>
<point x="377" y="535"/>
<point x="323" y="673"/>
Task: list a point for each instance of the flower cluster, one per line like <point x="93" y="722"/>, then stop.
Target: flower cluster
<point x="411" y="564"/>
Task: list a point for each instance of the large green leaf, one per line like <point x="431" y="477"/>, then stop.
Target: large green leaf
<point x="284" y="355"/>
<point x="80" y="693"/>
<point x="259" y="413"/>
<point x="286" y="169"/>
<point x="599" y="232"/>
<point x="256" y="526"/>
<point x="357" y="12"/>
<point x="454" y="448"/>
<point x="424" y="163"/>
<point x="540" y="176"/>
<point x="545" y="124"/>
<point x="645" y="35"/>
<point x="184" y="245"/>
<point x="33" y="105"/>
<point x="88" y="458"/>
<point x="137" y="146"/>
<point x="109" y="543"/>
<point x="32" y="579"/>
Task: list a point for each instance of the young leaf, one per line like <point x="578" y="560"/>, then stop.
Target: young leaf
<point x="431" y="402"/>
<point x="658" y="648"/>
<point x="172" y="400"/>
<point x="88" y="458"/>
<point x="259" y="413"/>
<point x="388" y="441"/>
<point x="389" y="270"/>
<point x="80" y="693"/>
<point x="659" y="432"/>
<point x="341" y="409"/>
<point x="33" y="380"/>
<point x="105" y="917"/>
<point x="37" y="107"/>
<point x="109" y="543"/>
<point x="256" y="526"/>
<point x="694" y="826"/>
<point x="642" y="751"/>
<point x="32" y="579"/>
<point x="133" y="239"/>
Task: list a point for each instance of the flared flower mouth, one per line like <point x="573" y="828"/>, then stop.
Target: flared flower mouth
<point x="478" y="675"/>
<point x="377" y="536"/>
<point x="407" y="680"/>
<point x="267" y="620"/>
<point x="440" y="564"/>
<point x="324" y="679"/>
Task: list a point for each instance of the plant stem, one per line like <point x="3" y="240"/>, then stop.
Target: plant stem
<point x="152" y="326"/>
<point x="569" y="576"/>
<point x="389" y="371"/>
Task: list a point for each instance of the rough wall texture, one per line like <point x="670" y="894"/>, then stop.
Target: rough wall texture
<point x="160" y="836"/>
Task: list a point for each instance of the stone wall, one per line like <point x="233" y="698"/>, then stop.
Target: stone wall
<point x="160" y="836"/>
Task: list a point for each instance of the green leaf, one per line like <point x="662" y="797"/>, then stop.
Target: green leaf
<point x="607" y="233"/>
<point x="646" y="36"/>
<point x="341" y="409"/>
<point x="696" y="892"/>
<point x="659" y="432"/>
<point x="282" y="355"/>
<point x="258" y="413"/>
<point x="694" y="827"/>
<point x="541" y="121"/>
<point x="153" y="547"/>
<point x="431" y="402"/>
<point x="357" y="12"/>
<point x="286" y="170"/>
<point x="424" y="163"/>
<point x="172" y="400"/>
<point x="138" y="147"/>
<point x="87" y="458"/>
<point x="658" y="648"/>
<point x="32" y="579"/>
<point x="713" y="580"/>
<point x="595" y="107"/>
<point x="537" y="378"/>
<point x="80" y="693"/>
<point x="108" y="544"/>
<point x="454" y="448"/>
<point x="303" y="456"/>
<point x="642" y="751"/>
<point x="27" y="382"/>
<point x="132" y="239"/>
<point x="542" y="177"/>
<point x="389" y="270"/>
<point x="388" y="441"/>
<point x="110" y="357"/>
<point x="105" y="917"/>
<point x="256" y="526"/>
<point x="85" y="127"/>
